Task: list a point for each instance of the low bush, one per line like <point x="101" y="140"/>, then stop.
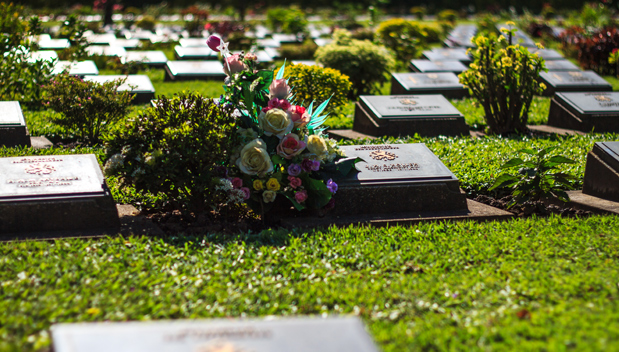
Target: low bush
<point x="146" y="23"/>
<point x="175" y="149"/>
<point x="405" y="38"/>
<point x="290" y="20"/>
<point x="595" y="50"/>
<point x="304" y="51"/>
<point x="450" y="16"/>
<point x="418" y="12"/>
<point x="73" y="30"/>
<point x="366" y="64"/>
<point x="89" y="108"/>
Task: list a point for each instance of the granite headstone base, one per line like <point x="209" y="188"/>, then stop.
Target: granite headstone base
<point x="365" y="122"/>
<point x="14" y="136"/>
<point x="602" y="171"/>
<point x="562" y="115"/>
<point x="448" y="92"/>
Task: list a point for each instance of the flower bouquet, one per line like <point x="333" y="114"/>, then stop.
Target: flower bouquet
<point x="283" y="151"/>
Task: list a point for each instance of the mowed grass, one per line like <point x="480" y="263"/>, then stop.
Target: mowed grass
<point x="528" y="284"/>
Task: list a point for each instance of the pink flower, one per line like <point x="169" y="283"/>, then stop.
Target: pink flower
<point x="213" y="42"/>
<point x="294" y="182"/>
<point x="279" y="89"/>
<point x="276" y="103"/>
<point x="237" y="183"/>
<point x="251" y="57"/>
<point x="299" y="115"/>
<point x="290" y="146"/>
<point x="300" y="196"/>
<point x="246" y="192"/>
<point x="235" y="63"/>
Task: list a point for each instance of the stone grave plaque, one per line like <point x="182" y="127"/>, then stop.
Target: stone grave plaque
<point x="405" y="115"/>
<point x="140" y="85"/>
<point x="602" y="171"/>
<point x="192" y="42"/>
<point x="573" y="81"/>
<point x="43" y="55"/>
<point x="77" y="68"/>
<point x="155" y="58"/>
<point x="272" y="52"/>
<point x="445" y="83"/>
<point x="268" y="43"/>
<point x="561" y="65"/>
<point x="322" y="41"/>
<point x="397" y="178"/>
<point x="106" y="50"/>
<point x="425" y="66"/>
<point x="263" y="56"/>
<point x="592" y="111"/>
<point x="13" y="130"/>
<point x="54" y="44"/>
<point x="54" y="192"/>
<point x="549" y="54"/>
<point x="194" y="53"/>
<point x="450" y="54"/>
<point x="194" y="70"/>
<point x="126" y="43"/>
<point x="101" y="39"/>
<point x="285" y="38"/>
<point x="519" y="36"/>
<point x="217" y="335"/>
<point x="139" y="35"/>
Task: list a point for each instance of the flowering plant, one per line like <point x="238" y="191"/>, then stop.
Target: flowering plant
<point x="283" y="150"/>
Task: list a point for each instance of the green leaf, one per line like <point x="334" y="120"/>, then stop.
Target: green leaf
<point x="280" y="74"/>
<point x="528" y="151"/>
<point x="296" y="204"/>
<point x="504" y="180"/>
<point x="318" y="193"/>
<point x="561" y="160"/>
<point x="277" y="159"/>
<point x="512" y="163"/>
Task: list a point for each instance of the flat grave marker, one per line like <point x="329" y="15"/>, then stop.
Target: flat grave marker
<point x="404" y="115"/>
<point x="127" y="44"/>
<point x="587" y="111"/>
<point x="13" y="130"/>
<point x="573" y="81"/>
<point x="101" y="39"/>
<point x="217" y="335"/>
<point x="519" y="36"/>
<point x="76" y="68"/>
<point x="194" y="53"/>
<point x="549" y="54"/>
<point x="194" y="70"/>
<point x="445" y="83"/>
<point x="449" y="54"/>
<point x="602" y="171"/>
<point x="192" y="42"/>
<point x="140" y="85"/>
<point x="285" y="38"/>
<point x="43" y="55"/>
<point x="54" y="193"/>
<point x="427" y="66"/>
<point x="106" y="50"/>
<point x="54" y="44"/>
<point x="153" y="58"/>
<point x="561" y="65"/>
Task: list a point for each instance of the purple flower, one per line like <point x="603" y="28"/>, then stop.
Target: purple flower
<point x="332" y="186"/>
<point x="315" y="165"/>
<point x="246" y="193"/>
<point x="294" y="170"/>
<point x="307" y="165"/>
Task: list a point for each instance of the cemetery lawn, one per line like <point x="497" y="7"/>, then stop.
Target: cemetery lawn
<point x="525" y="284"/>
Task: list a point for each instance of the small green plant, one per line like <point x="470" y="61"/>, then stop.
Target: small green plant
<point x="538" y="176"/>
<point x="366" y="64"/>
<point x="304" y="51"/>
<point x="73" y="30"/>
<point x="87" y="107"/>
<point x="405" y="38"/>
<point x="290" y="20"/>
<point x="613" y="58"/>
<point x="175" y="149"/>
<point x="503" y="78"/>
<point x="418" y="12"/>
<point x="449" y="16"/>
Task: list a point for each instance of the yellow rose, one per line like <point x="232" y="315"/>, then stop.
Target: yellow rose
<point x="254" y="158"/>
<point x="316" y="145"/>
<point x="258" y="186"/>
<point x="273" y="185"/>
<point x="268" y="196"/>
<point x="275" y="122"/>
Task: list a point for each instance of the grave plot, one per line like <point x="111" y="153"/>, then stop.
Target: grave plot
<point x="140" y="85"/>
<point x="602" y="171"/>
<point x="13" y="130"/>
<point x="216" y="335"/>
<point x="593" y="111"/>
<point x="573" y="81"/>
<point x="282" y="38"/>
<point x="322" y="41"/>
<point x="268" y="43"/>
<point x="519" y="36"/>
<point x="140" y="34"/>
<point x="449" y="54"/>
<point x="78" y="68"/>
<point x="427" y="66"/>
<point x="461" y="36"/>
<point x="54" y="44"/>
<point x="195" y="53"/>
<point x="101" y="39"/>
<point x="127" y="44"/>
<point x="43" y="55"/>
<point x="404" y="115"/>
<point x="155" y="58"/>
<point x="548" y="54"/>
<point x="194" y="70"/>
<point x="561" y="65"/>
<point x="446" y="83"/>
<point x="54" y="193"/>
<point x="192" y="42"/>
<point x="106" y="50"/>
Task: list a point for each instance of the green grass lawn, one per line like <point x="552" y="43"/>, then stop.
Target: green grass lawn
<point x="536" y="284"/>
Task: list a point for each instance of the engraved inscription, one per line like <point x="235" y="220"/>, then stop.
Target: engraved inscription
<point x="382" y="155"/>
<point x="376" y="147"/>
<point x="412" y="79"/>
<point x="39" y="169"/>
<point x="221" y="333"/>
<point x="407" y="101"/>
<point x="393" y="167"/>
<point x="37" y="160"/>
<point x="432" y="76"/>
<point x="43" y="182"/>
<point x="602" y="98"/>
<point x="219" y="346"/>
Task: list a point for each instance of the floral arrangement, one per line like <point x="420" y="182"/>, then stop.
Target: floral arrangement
<point x="283" y="151"/>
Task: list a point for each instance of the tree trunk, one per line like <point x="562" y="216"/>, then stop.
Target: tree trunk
<point x="109" y="11"/>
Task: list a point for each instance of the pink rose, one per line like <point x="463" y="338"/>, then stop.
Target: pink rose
<point x="300" y="196"/>
<point x="276" y="103"/>
<point x="246" y="192"/>
<point x="213" y="42"/>
<point x="237" y="183"/>
<point x="299" y="115"/>
<point x="290" y="146"/>
<point x="279" y="89"/>
<point x="235" y="63"/>
<point x="251" y="57"/>
<point x="294" y="182"/>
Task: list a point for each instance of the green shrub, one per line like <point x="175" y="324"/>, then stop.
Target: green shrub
<point x="503" y="78"/>
<point x="405" y="38"/>
<point x="450" y="16"/>
<point x="175" y="149"/>
<point x="418" y="12"/>
<point x="87" y="107"/>
<point x="146" y="23"/>
<point x="73" y="30"/>
<point x="317" y="84"/>
<point x="366" y="64"/>
<point x="304" y="51"/>
<point x="287" y="20"/>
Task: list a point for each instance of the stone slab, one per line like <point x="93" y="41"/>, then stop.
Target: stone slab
<point x="13" y="130"/>
<point x="192" y="42"/>
<point x="101" y="39"/>
<point x="194" y="70"/>
<point x="549" y="54"/>
<point x="347" y="134"/>
<point x="444" y="83"/>
<point x="587" y="111"/>
<point x="573" y="81"/>
<point x="194" y="53"/>
<point x="408" y="106"/>
<point x="48" y="193"/>
<point x="140" y="85"/>
<point x="54" y="44"/>
<point x="106" y="50"/>
<point x="154" y="58"/>
<point x="519" y="36"/>
<point x="426" y="66"/>
<point x="602" y="171"/>
<point x="346" y="334"/>
<point x="561" y="65"/>
<point x="76" y="68"/>
<point x="448" y="54"/>
<point x="283" y="38"/>
<point x="43" y="55"/>
<point x="580" y="200"/>
<point x="40" y="142"/>
<point x="126" y="43"/>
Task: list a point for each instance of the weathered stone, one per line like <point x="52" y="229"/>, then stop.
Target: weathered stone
<point x="595" y="111"/>
<point x="427" y="66"/>
<point x="445" y="83"/>
<point x="76" y="68"/>
<point x="602" y="171"/>
<point x="561" y="65"/>
<point x="154" y="58"/>
<point x="447" y="54"/>
<point x="573" y="81"/>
